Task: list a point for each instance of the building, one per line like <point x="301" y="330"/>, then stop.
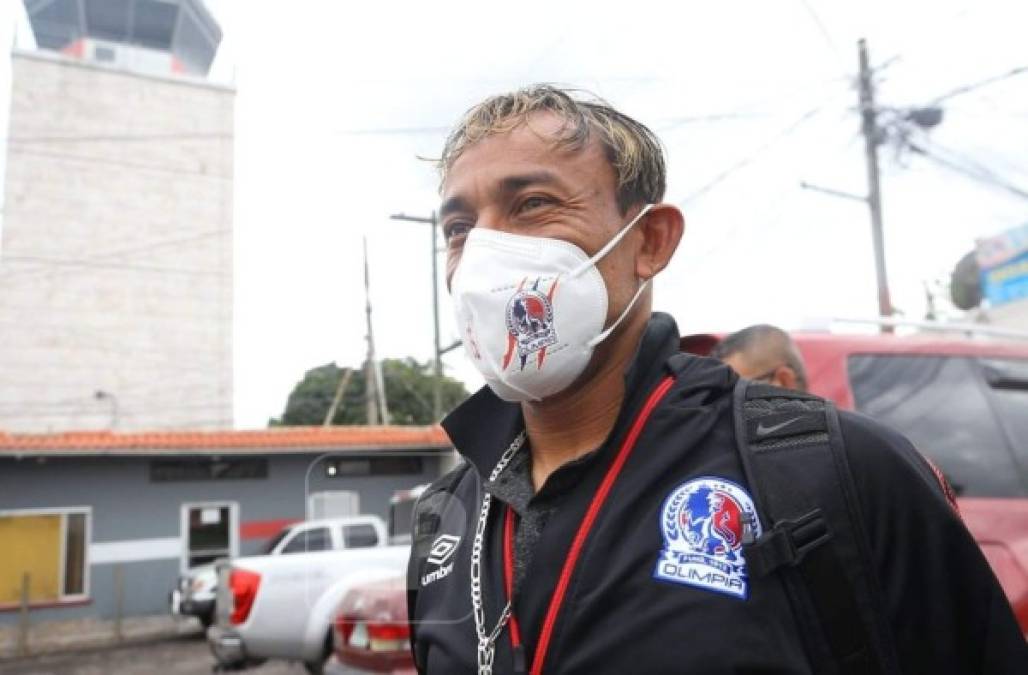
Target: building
<point x="80" y="510"/>
<point x="116" y="265"/>
<point x="1003" y="260"/>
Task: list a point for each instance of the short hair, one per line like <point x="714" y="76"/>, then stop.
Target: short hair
<point x="634" y="152"/>
<point x="764" y="340"/>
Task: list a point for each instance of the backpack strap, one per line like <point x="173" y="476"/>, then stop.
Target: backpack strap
<point x="792" y="453"/>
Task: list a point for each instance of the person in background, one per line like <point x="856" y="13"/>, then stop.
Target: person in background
<point x="764" y="353"/>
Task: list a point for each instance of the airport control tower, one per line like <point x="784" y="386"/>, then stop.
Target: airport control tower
<point x="156" y="36"/>
<point x="116" y="253"/>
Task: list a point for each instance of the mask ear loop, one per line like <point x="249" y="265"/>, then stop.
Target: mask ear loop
<point x="610" y="244"/>
<point x="628" y="310"/>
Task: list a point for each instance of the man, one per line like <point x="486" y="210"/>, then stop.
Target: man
<point x="599" y="521"/>
<point x="764" y="353"/>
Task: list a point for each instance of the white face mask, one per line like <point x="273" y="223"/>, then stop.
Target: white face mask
<point x="531" y="310"/>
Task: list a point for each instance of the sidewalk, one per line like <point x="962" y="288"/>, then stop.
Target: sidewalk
<point x="79" y="634"/>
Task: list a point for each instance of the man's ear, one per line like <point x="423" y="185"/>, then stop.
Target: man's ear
<point x="661" y="229"/>
<point x="785" y="377"/>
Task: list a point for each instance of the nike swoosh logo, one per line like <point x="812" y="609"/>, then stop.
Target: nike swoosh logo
<point x="764" y="431"/>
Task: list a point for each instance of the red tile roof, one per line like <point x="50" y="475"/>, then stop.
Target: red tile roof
<point x="261" y="441"/>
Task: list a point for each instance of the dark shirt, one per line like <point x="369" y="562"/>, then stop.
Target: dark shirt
<point x="944" y="608"/>
<point x="514" y="488"/>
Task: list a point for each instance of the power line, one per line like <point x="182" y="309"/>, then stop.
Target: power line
<point x="823" y="30"/>
<point x="768" y="215"/>
<point x="959" y="91"/>
<point x="750" y="158"/>
<point x="975" y="173"/>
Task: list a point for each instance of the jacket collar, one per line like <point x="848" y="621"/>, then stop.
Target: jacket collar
<point x="484" y="425"/>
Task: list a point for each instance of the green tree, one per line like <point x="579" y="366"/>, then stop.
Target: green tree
<point x="408" y="386"/>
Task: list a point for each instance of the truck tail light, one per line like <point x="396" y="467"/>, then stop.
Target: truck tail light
<point x="388" y="637"/>
<point x="344" y="629"/>
<point x="244" y="585"/>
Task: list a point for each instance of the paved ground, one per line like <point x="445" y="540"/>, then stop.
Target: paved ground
<point x="90" y="633"/>
<point x="181" y="655"/>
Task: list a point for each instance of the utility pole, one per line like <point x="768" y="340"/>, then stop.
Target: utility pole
<point x="869" y="126"/>
<point x="344" y="379"/>
<point x="437" y="397"/>
<point x="374" y="387"/>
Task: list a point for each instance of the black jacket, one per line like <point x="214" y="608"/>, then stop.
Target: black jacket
<point x="946" y="611"/>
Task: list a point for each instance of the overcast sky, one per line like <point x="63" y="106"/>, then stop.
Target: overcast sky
<point x="336" y="101"/>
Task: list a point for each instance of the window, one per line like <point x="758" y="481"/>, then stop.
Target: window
<point x="360" y="536"/>
<point x="315" y="539"/>
<point x="204" y="469"/>
<point x="274" y="541"/>
<point x="105" y="54"/>
<point x="75" y="554"/>
<point x="50" y="547"/>
<point x="108" y="19"/>
<point x="210" y="532"/>
<point x="153" y="23"/>
<point x="56" y="24"/>
<point x="334" y="504"/>
<point x="1008" y="388"/>
<point x="368" y="466"/>
<point x="396" y="465"/>
<point x="193" y="45"/>
<point x="401" y="517"/>
<point x="942" y="405"/>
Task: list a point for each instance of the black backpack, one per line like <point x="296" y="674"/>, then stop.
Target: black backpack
<point x="792" y="452"/>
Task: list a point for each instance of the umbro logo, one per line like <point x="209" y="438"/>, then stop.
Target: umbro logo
<point x="442" y="550"/>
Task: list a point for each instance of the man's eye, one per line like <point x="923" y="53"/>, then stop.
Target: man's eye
<point x="532" y="203"/>
<point x="456" y="230"/>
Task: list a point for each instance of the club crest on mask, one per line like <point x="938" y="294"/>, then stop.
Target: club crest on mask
<point x="530" y="322"/>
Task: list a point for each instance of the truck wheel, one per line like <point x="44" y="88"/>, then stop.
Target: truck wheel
<point x="318" y="667"/>
<point x="206" y="619"/>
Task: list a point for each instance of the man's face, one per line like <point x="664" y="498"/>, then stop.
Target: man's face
<point x="523" y="183"/>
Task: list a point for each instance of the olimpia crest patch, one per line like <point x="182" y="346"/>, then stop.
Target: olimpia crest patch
<point x="703" y="522"/>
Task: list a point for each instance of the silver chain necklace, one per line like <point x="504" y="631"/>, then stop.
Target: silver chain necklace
<point x="487" y="642"/>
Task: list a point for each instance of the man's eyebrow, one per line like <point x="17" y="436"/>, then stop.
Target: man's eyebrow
<point x="507" y="185"/>
<point x="514" y="183"/>
<point x="451" y="205"/>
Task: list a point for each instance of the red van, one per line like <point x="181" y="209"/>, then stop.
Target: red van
<point x="962" y="402"/>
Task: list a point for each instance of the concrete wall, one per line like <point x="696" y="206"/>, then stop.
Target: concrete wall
<point x="116" y="254"/>
<point x="127" y="507"/>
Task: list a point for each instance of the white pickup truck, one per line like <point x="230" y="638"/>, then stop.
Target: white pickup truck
<point x="282" y="606"/>
<point x="195" y="591"/>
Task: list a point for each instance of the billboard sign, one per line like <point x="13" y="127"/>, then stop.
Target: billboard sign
<point x="1003" y="261"/>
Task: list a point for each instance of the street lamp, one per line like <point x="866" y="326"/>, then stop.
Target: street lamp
<point x="437" y="398"/>
<point x="101" y="395"/>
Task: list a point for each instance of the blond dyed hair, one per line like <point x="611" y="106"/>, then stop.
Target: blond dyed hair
<point x="634" y="152"/>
